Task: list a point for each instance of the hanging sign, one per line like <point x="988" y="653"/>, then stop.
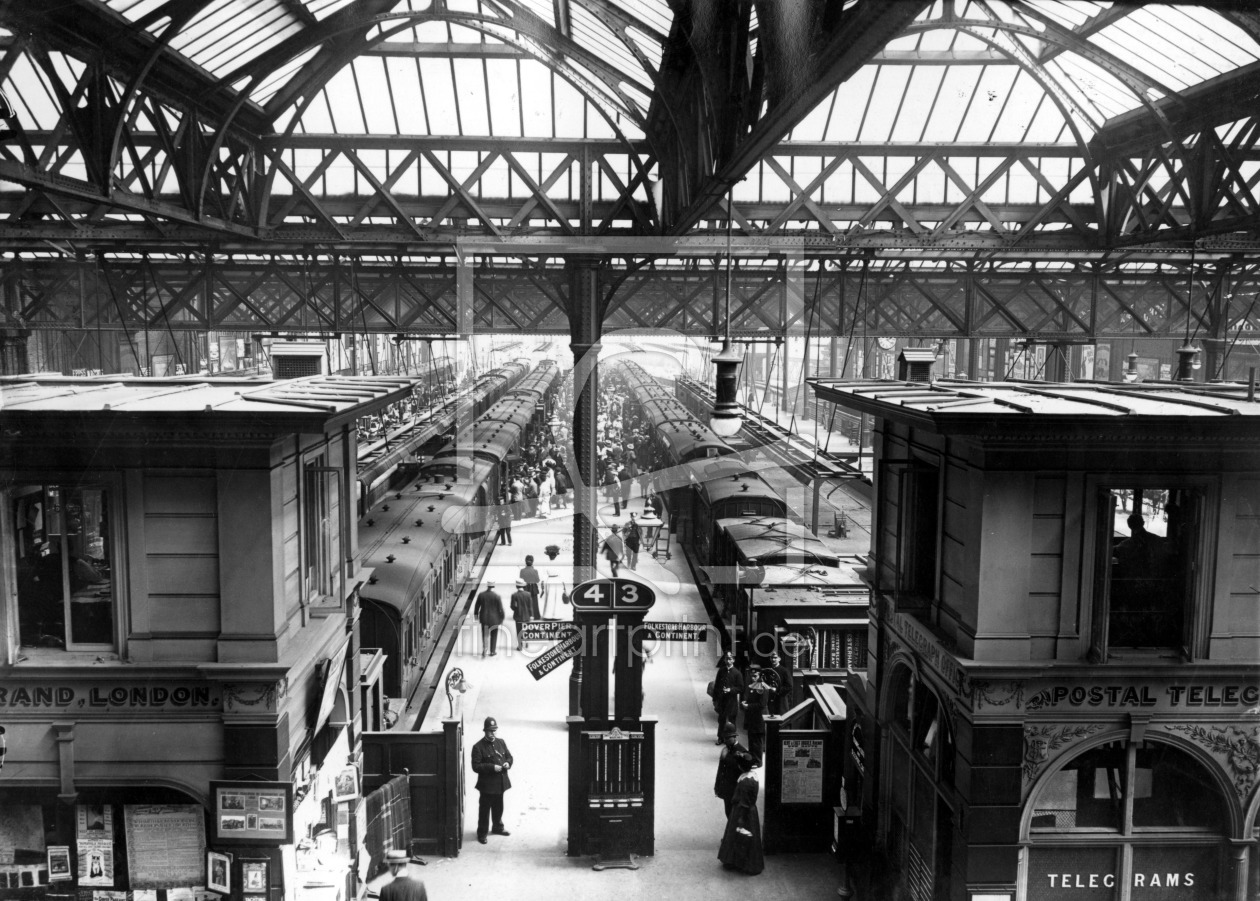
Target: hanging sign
<point x="612" y="595"/>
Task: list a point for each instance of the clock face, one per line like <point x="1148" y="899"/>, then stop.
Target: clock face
<point x="887" y="343"/>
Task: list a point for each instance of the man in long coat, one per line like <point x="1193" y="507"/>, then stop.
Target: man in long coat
<point x="521" y="604"/>
<point x="728" y="766"/>
<point x="489" y="612"/>
<point x="491" y="761"/>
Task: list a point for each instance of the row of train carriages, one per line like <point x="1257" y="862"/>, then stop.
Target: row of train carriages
<point x="772" y="581"/>
<point x="422" y="534"/>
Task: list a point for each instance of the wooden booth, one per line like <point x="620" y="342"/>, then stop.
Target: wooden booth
<point x="1065" y="659"/>
<point x="179" y="669"/>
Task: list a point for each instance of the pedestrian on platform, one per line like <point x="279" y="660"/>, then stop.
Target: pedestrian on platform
<point x="614" y="549"/>
<point x="783" y="690"/>
<point x="632" y="541"/>
<point x="516" y="494"/>
<point x="612" y="490"/>
<point x="489" y="612"/>
<point x="522" y="605"/>
<point x="403" y="888"/>
<point x="532" y="583"/>
<point x="505" y="524"/>
<point x="728" y="767"/>
<point x="531" y="494"/>
<point x="626" y="477"/>
<point x="741" y="843"/>
<point x="491" y="761"/>
<point x="551" y="595"/>
<point x="728" y="690"/>
<point x="756" y="705"/>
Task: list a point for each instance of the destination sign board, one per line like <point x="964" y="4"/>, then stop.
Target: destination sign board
<point x="613" y="595"/>
<point x="549" y="660"/>
<point x="546" y="630"/>
<point x="676" y="631"/>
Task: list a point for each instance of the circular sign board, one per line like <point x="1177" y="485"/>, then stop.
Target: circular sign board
<point x="612" y="596"/>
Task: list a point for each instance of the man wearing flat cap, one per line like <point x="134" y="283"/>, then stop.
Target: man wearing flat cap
<point x="728" y="766"/>
<point x="489" y="612"/>
<point x="491" y="761"/>
<point x="403" y="888"/>
<point x="522" y="609"/>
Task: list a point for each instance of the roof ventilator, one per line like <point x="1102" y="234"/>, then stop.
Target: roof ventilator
<point x="914" y="364"/>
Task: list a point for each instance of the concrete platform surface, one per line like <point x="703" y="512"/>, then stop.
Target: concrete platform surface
<point x="531" y="863"/>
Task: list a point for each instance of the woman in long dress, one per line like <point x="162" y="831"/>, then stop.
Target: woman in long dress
<point x="741" y="843"/>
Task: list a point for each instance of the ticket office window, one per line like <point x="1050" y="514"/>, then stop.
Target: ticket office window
<point x="62" y="557"/>
<point x="1148" y="569"/>
<point x="1128" y="821"/>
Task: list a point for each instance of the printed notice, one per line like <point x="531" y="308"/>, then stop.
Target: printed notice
<point x="166" y="844"/>
<point x="802" y="780"/>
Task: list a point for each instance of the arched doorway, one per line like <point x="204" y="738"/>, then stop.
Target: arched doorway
<point x="1128" y="821"/>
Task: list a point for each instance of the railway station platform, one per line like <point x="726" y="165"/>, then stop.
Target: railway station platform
<point x="532" y="863"/>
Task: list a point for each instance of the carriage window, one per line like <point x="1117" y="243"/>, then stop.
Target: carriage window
<point x="63" y="560"/>
<point x="1148" y="544"/>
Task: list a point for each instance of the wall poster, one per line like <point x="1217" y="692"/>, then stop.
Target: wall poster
<point x="252" y="813"/>
<point x="166" y="844"/>
<point x="802" y="779"/>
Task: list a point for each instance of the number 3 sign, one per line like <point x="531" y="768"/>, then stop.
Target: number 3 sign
<point x="613" y="595"/>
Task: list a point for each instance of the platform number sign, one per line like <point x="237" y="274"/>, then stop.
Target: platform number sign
<point x="613" y="595"/>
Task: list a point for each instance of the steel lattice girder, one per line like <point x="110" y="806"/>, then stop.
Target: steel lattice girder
<point x="1078" y="301"/>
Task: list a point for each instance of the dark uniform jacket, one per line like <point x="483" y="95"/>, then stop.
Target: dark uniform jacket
<point x="489" y="608"/>
<point x="485" y="754"/>
<point x="522" y="605"/>
<point x="728" y="771"/>
<point x="404" y="888"/>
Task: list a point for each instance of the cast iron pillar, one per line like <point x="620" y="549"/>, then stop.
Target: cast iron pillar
<point x="586" y="320"/>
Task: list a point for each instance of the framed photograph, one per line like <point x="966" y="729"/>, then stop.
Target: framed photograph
<point x="252" y="813"/>
<point x="219" y="872"/>
<point x="346" y="785"/>
<point x="59" y="863"/>
<point x="255" y="877"/>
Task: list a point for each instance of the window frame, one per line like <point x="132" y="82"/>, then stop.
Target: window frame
<point x="115" y="522"/>
<point x="1096" y="566"/>
<point x="331" y="538"/>
<point x="910" y="472"/>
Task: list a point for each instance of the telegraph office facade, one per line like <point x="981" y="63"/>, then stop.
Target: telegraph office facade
<point x="1045" y="729"/>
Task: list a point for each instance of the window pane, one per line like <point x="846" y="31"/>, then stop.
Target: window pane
<point x="1171" y="789"/>
<point x="1150" y="561"/>
<point x="1080" y="873"/>
<point x="1184" y="874"/>
<point x="1086" y="794"/>
<point x="63" y="566"/>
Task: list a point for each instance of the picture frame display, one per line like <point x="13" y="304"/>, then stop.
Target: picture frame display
<point x="346" y="785"/>
<point x="255" y="877"/>
<point x="59" y="863"/>
<point x="219" y="872"/>
<point x="252" y="813"/>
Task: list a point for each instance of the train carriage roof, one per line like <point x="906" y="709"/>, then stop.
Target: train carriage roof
<point x="739" y="483"/>
<point x="688" y="443"/>
<point x="773" y="540"/>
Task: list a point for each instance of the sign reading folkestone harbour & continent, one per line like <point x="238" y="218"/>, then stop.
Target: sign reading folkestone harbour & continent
<point x="566" y="649"/>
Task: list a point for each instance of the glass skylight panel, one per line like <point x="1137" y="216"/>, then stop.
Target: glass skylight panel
<point x="851" y="100"/>
<point x="271" y="85"/>
<point x="439" y="97"/>
<point x="33" y="102"/>
<point x="889" y="89"/>
<point x="470" y="87"/>
<point x="649" y="46"/>
<point x="595" y="36"/>
<point x="322" y="9"/>
<point x="343" y="101"/>
<point x="536" y="87"/>
<point x="505" y="101"/>
<point x="374" y="91"/>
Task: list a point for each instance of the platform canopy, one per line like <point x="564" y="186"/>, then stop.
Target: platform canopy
<point x="928" y="167"/>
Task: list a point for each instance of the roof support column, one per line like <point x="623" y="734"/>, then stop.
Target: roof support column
<point x="586" y="320"/>
<point x="1216" y="313"/>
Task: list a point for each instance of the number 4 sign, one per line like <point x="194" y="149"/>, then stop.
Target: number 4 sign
<point x="612" y="595"/>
